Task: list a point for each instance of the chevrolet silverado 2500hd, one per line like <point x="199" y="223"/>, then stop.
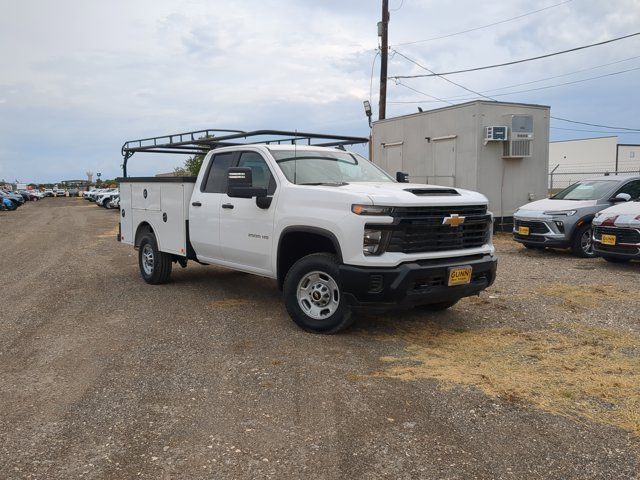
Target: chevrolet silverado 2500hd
<point x="330" y="227"/>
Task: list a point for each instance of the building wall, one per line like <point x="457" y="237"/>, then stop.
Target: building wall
<point x="628" y="157"/>
<point x="451" y="140"/>
<point x="584" y="155"/>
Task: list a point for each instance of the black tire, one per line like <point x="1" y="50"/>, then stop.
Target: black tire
<point x="578" y="246"/>
<point x="326" y="266"/>
<point x="616" y="259"/>
<point x="437" y="307"/>
<point x="160" y="269"/>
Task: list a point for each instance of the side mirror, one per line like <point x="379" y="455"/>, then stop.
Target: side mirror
<point x="621" y="197"/>
<point x="402" y="177"/>
<point x="240" y="184"/>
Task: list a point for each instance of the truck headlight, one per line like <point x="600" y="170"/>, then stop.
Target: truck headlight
<point x="371" y="210"/>
<point x="567" y="213"/>
<point x="373" y="241"/>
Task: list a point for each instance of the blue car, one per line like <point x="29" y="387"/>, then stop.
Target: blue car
<point x="6" y="204"/>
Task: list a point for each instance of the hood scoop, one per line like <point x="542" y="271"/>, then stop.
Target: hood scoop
<point x="433" y="192"/>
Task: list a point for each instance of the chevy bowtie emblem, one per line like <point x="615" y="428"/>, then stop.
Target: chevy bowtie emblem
<point x="454" y="220"/>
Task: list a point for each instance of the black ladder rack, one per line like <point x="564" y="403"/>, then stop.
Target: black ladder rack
<point x="202" y="141"/>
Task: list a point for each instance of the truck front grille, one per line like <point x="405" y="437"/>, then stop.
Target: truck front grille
<point x="421" y="229"/>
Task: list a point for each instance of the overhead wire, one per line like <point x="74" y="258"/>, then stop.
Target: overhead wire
<point x="482" y="26"/>
<point x="493" y="99"/>
<point x="515" y="62"/>
<point x="595" y="131"/>
<point x="620" y="72"/>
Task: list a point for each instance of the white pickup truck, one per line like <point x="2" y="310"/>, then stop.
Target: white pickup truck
<point x="335" y="231"/>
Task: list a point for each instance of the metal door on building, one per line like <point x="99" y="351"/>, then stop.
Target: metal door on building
<point x="444" y="162"/>
<point x="393" y="155"/>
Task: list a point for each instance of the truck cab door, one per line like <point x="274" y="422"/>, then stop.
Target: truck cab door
<point x="204" y="210"/>
<point x="246" y="230"/>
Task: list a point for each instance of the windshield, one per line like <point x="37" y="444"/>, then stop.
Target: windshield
<point x="306" y="167"/>
<point x="588" y="190"/>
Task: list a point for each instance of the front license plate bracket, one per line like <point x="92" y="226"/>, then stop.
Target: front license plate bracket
<point x="459" y="275"/>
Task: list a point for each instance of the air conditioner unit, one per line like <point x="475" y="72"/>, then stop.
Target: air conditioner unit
<point x="516" y="149"/>
<point x="520" y="137"/>
<point x="496" y="133"/>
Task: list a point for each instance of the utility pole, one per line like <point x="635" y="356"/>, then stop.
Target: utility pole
<point x="383" y="33"/>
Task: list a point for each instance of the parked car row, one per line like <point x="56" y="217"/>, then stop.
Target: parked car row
<point x="11" y="200"/>
<point x="599" y="216"/>
<point x="104" y="197"/>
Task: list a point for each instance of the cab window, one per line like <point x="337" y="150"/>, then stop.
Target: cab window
<point x="216" y="178"/>
<point x="260" y="172"/>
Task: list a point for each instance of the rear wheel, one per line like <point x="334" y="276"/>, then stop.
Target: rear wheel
<point x="313" y="294"/>
<point x="582" y="245"/>
<point x="155" y="266"/>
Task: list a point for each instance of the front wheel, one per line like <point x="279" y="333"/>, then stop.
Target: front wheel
<point x="313" y="294"/>
<point x="582" y="245"/>
<point x="155" y="266"/>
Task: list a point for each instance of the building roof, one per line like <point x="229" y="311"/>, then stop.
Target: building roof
<point x="583" y="139"/>
<point x="465" y="105"/>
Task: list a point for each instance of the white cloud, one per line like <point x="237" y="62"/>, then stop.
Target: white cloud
<point x="84" y="76"/>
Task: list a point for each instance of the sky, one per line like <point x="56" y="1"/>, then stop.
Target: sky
<point x="80" y="77"/>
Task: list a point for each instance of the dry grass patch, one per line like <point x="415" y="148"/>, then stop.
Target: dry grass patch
<point x="586" y="372"/>
<point x="588" y="296"/>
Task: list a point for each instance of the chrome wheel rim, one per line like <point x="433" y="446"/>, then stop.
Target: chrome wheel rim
<point x="147" y="259"/>
<point x="318" y="295"/>
<point x="586" y="242"/>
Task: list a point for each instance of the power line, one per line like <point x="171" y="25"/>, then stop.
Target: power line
<point x="422" y="93"/>
<point x="439" y="76"/>
<point x="373" y="65"/>
<point x="595" y="131"/>
<point x="555" y="76"/>
<point x="596" y="125"/>
<point x="514" y="62"/>
<point x="542" y="88"/>
<point x="493" y="99"/>
<point x="482" y="26"/>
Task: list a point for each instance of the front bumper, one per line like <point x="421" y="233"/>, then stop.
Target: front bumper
<point x="625" y="248"/>
<point x="543" y="232"/>
<point x="414" y="283"/>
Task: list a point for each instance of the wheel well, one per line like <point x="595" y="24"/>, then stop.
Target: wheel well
<point x="142" y="230"/>
<point x="579" y="224"/>
<point x="299" y="243"/>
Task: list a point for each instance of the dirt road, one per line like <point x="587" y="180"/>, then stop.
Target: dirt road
<point x="103" y="376"/>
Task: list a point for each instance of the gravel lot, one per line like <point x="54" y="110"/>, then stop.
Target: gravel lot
<point x="103" y="376"/>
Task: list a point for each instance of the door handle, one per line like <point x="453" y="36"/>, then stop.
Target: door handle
<point x="196" y="204"/>
<point x="227" y="205"/>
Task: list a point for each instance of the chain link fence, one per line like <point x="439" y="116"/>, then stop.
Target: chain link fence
<point x="559" y="180"/>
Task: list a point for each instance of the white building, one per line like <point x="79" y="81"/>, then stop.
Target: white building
<point x="499" y="149"/>
<point x="573" y="160"/>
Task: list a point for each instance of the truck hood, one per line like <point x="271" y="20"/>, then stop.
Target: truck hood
<point x="625" y="214"/>
<point x="412" y="194"/>
<point x="548" y="204"/>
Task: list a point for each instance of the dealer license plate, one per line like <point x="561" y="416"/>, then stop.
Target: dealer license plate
<point x="523" y="230"/>
<point x="609" y="239"/>
<point x="459" y="276"/>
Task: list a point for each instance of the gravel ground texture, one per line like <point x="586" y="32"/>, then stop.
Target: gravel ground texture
<point x="104" y="376"/>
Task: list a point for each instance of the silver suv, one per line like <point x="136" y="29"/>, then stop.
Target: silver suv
<point x="564" y="220"/>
